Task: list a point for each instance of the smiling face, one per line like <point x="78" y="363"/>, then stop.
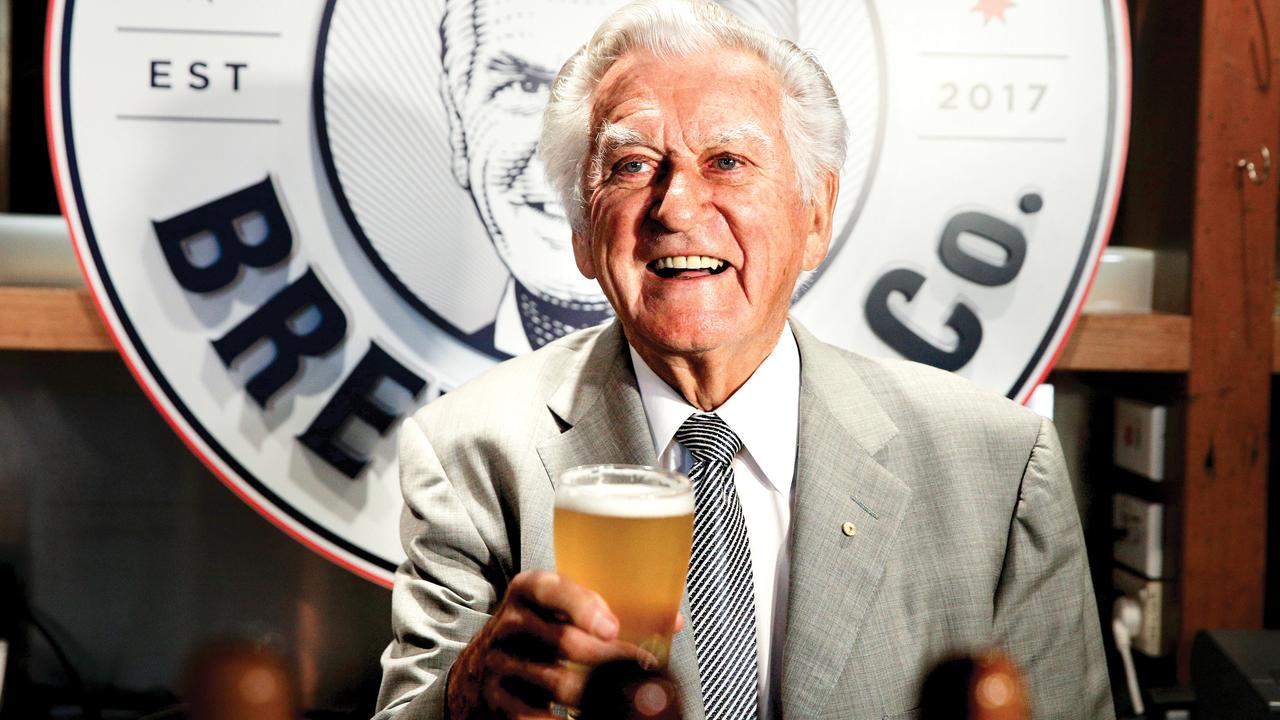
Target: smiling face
<point x="500" y="60"/>
<point x="698" y="228"/>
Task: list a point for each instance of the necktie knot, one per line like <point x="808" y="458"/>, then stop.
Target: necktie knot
<point x="709" y="439"/>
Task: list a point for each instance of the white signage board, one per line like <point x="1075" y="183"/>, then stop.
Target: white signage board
<point x="303" y="219"/>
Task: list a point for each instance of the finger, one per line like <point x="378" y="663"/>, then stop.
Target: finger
<point x="564" y="641"/>
<point x="679" y="621"/>
<point x="646" y="659"/>
<point x="509" y="705"/>
<point x="563" y="683"/>
<point x="582" y="606"/>
<point x="529" y="636"/>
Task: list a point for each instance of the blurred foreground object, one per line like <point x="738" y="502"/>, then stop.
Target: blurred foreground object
<point x="623" y="690"/>
<point x="986" y="686"/>
<point x="239" y="680"/>
<point x="1234" y="673"/>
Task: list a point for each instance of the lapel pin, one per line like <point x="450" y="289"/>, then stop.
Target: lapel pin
<point x="849" y="529"/>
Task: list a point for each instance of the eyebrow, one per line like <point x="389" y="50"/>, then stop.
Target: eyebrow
<point x="611" y="137"/>
<point x="737" y="134"/>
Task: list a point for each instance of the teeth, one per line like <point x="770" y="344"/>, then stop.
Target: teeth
<point x="688" y="262"/>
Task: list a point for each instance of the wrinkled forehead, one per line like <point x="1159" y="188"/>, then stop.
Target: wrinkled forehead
<point x="709" y="93"/>
<point x="542" y="33"/>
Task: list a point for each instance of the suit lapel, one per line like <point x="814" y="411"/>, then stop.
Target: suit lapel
<point x="847" y="510"/>
<point x="600" y="409"/>
<point x="603" y="417"/>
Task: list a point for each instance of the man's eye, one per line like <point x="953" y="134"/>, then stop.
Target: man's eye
<point x="728" y="163"/>
<point x="632" y="166"/>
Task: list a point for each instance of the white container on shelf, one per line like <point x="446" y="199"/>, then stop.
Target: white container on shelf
<point x="1139" y="536"/>
<point x="1124" y="282"/>
<point x="35" y="250"/>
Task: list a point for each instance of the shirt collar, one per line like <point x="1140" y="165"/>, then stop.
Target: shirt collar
<point x="508" y="333"/>
<point x="764" y="412"/>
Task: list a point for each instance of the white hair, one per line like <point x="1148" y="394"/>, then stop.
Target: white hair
<point x="812" y="123"/>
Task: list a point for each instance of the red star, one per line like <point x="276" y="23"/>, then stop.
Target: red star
<point x="992" y="9"/>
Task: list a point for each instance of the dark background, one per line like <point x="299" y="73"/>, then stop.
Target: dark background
<point x="131" y="555"/>
<point x="125" y="548"/>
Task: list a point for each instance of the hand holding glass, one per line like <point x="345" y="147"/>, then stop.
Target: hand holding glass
<point x="626" y="531"/>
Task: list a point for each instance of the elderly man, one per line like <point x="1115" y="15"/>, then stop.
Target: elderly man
<point x="879" y="516"/>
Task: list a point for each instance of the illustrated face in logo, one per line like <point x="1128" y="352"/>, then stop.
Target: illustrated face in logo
<point x="498" y="69"/>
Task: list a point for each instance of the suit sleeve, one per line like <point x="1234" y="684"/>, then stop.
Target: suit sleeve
<point x="443" y="593"/>
<point x="1045" y="612"/>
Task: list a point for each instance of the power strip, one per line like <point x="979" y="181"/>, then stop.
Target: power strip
<point x="1159" y="609"/>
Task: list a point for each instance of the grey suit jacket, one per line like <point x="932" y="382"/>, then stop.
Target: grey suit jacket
<point x="967" y="532"/>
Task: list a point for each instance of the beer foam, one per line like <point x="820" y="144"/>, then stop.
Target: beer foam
<point x="625" y="501"/>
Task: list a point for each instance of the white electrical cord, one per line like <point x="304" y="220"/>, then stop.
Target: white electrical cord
<point x="1126" y="623"/>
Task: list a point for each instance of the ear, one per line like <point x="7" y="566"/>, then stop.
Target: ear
<point x="821" y="210"/>
<point x="582" y="256"/>
<point x="457" y="135"/>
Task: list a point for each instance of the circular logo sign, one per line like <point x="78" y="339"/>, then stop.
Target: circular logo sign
<point x="301" y="220"/>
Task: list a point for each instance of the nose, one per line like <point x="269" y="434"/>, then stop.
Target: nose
<point x="681" y="200"/>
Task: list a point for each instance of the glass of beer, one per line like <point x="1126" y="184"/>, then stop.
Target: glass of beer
<point x="626" y="532"/>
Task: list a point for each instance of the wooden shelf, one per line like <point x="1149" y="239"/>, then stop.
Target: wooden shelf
<point x="1128" y="343"/>
<point x="66" y="319"/>
<point x="50" y="319"/>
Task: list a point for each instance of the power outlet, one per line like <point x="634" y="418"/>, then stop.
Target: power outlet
<point x="1139" y="437"/>
<point x="1139" y="543"/>
<point x="1154" y="597"/>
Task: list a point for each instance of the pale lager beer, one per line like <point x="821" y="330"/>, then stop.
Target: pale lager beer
<point x="626" y="532"/>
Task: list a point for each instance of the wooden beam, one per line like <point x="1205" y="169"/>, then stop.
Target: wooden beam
<point x="50" y="319"/>
<point x="1275" y="345"/>
<point x="1224" y="491"/>
<point x="1128" y="343"/>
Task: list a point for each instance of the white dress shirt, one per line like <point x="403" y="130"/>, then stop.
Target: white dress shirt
<point x="764" y="413"/>
<point x="508" y="332"/>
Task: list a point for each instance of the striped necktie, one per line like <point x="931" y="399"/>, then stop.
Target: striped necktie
<point x="721" y="590"/>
